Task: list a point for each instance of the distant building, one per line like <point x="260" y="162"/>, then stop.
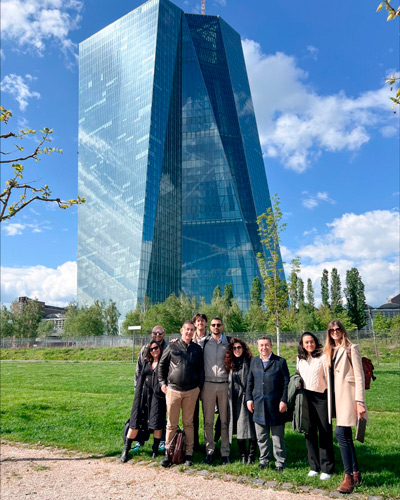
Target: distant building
<point x="395" y="300"/>
<point x="390" y="309"/>
<point x="46" y="308"/>
<point x="169" y="160"/>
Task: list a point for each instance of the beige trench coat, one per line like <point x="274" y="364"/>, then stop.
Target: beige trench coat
<point x="349" y="387"/>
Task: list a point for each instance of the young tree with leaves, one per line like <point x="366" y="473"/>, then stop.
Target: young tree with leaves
<point x="325" y="288"/>
<point x="111" y="316"/>
<point x="270" y="227"/>
<point x="310" y="294"/>
<point x="17" y="195"/>
<point x="256" y="292"/>
<point x="6" y="322"/>
<point x="293" y="284"/>
<point x="355" y="296"/>
<point x="228" y="295"/>
<point x="254" y="318"/>
<point x="26" y="318"/>
<point x="336" y="292"/>
<point x="300" y="293"/>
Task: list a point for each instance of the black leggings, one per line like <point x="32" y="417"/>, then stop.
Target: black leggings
<point x="344" y="437"/>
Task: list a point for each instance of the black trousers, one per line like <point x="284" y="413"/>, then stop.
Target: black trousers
<point x="344" y="437"/>
<point x="320" y="451"/>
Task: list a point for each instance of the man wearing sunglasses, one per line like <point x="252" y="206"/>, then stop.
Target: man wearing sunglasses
<point x="215" y="389"/>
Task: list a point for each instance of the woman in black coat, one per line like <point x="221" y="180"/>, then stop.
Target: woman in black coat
<point x="237" y="361"/>
<point x="149" y="407"/>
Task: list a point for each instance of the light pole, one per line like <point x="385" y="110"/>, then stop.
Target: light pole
<point x="137" y="327"/>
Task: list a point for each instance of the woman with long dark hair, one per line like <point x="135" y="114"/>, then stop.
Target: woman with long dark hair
<point x="149" y="407"/>
<point x="237" y="361"/>
<point x="346" y="397"/>
<point x="312" y="368"/>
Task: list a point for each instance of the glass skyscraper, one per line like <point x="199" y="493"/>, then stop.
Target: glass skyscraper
<point x="169" y="160"/>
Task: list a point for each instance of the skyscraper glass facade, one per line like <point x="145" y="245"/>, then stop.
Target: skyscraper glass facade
<point x="169" y="160"/>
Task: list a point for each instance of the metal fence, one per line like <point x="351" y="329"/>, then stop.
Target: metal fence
<point x="142" y="339"/>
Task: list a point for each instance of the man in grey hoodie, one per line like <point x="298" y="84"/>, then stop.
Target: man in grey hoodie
<point x="215" y="389"/>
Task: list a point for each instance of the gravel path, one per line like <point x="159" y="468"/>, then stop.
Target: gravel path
<point x="49" y="474"/>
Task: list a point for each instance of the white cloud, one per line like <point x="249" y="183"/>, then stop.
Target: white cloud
<point x="311" y="231"/>
<point x="54" y="286"/>
<point x="311" y="201"/>
<point x="16" y="228"/>
<point x="312" y="52"/>
<point x="31" y="24"/>
<point x="18" y="87"/>
<point x="369" y="241"/>
<point x="389" y="131"/>
<point x="295" y="123"/>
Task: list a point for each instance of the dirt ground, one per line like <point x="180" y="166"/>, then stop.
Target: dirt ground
<point x="40" y="473"/>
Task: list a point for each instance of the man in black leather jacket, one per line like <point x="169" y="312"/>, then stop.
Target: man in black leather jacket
<point x="181" y="376"/>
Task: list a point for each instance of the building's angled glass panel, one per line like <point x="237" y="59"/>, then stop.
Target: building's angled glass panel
<point x="161" y="262"/>
<point x="165" y="264"/>
<point x="217" y="248"/>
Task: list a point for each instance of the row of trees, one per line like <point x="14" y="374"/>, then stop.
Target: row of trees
<point x="297" y="311"/>
<point x="26" y="320"/>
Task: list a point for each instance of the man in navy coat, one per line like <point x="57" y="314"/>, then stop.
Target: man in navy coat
<point x="266" y="397"/>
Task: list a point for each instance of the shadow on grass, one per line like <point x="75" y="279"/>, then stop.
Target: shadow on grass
<point x="382" y="469"/>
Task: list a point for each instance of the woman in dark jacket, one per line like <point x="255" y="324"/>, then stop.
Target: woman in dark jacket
<point x="149" y="408"/>
<point x="237" y="361"/>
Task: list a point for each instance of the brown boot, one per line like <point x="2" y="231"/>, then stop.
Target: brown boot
<point x="348" y="484"/>
<point x="357" y="478"/>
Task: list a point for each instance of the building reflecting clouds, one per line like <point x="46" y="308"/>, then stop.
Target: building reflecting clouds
<point x="169" y="160"/>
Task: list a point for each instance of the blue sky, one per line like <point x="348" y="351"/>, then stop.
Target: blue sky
<point x="329" y="136"/>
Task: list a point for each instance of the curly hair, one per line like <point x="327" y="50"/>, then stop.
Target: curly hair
<point x="149" y="356"/>
<point x="302" y="353"/>
<point x="229" y="356"/>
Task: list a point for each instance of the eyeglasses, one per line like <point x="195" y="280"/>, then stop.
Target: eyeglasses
<point x="237" y="347"/>
<point x="157" y="333"/>
<point x="334" y="330"/>
<point x="216" y="325"/>
<point x="154" y="349"/>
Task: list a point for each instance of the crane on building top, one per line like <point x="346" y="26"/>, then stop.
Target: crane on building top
<point x="203" y="7"/>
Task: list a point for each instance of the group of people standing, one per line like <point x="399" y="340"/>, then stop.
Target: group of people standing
<point x="250" y="395"/>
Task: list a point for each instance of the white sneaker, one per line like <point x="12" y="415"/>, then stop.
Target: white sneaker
<point x="312" y="473"/>
<point x="324" y="476"/>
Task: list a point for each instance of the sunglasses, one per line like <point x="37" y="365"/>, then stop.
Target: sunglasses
<point x="157" y="333"/>
<point x="216" y="325"/>
<point x="154" y="349"/>
<point x="237" y="347"/>
<point x="334" y="330"/>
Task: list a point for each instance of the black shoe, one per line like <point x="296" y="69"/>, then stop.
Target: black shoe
<point x="263" y="465"/>
<point x="165" y="462"/>
<point x="209" y="459"/>
<point x="125" y="453"/>
<point x="279" y="469"/>
<point x="188" y="461"/>
<point x="225" y="461"/>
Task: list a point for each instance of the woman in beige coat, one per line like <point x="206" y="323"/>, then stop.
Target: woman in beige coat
<point x="346" y="397"/>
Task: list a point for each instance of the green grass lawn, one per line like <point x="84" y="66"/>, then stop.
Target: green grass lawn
<point x="84" y="405"/>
